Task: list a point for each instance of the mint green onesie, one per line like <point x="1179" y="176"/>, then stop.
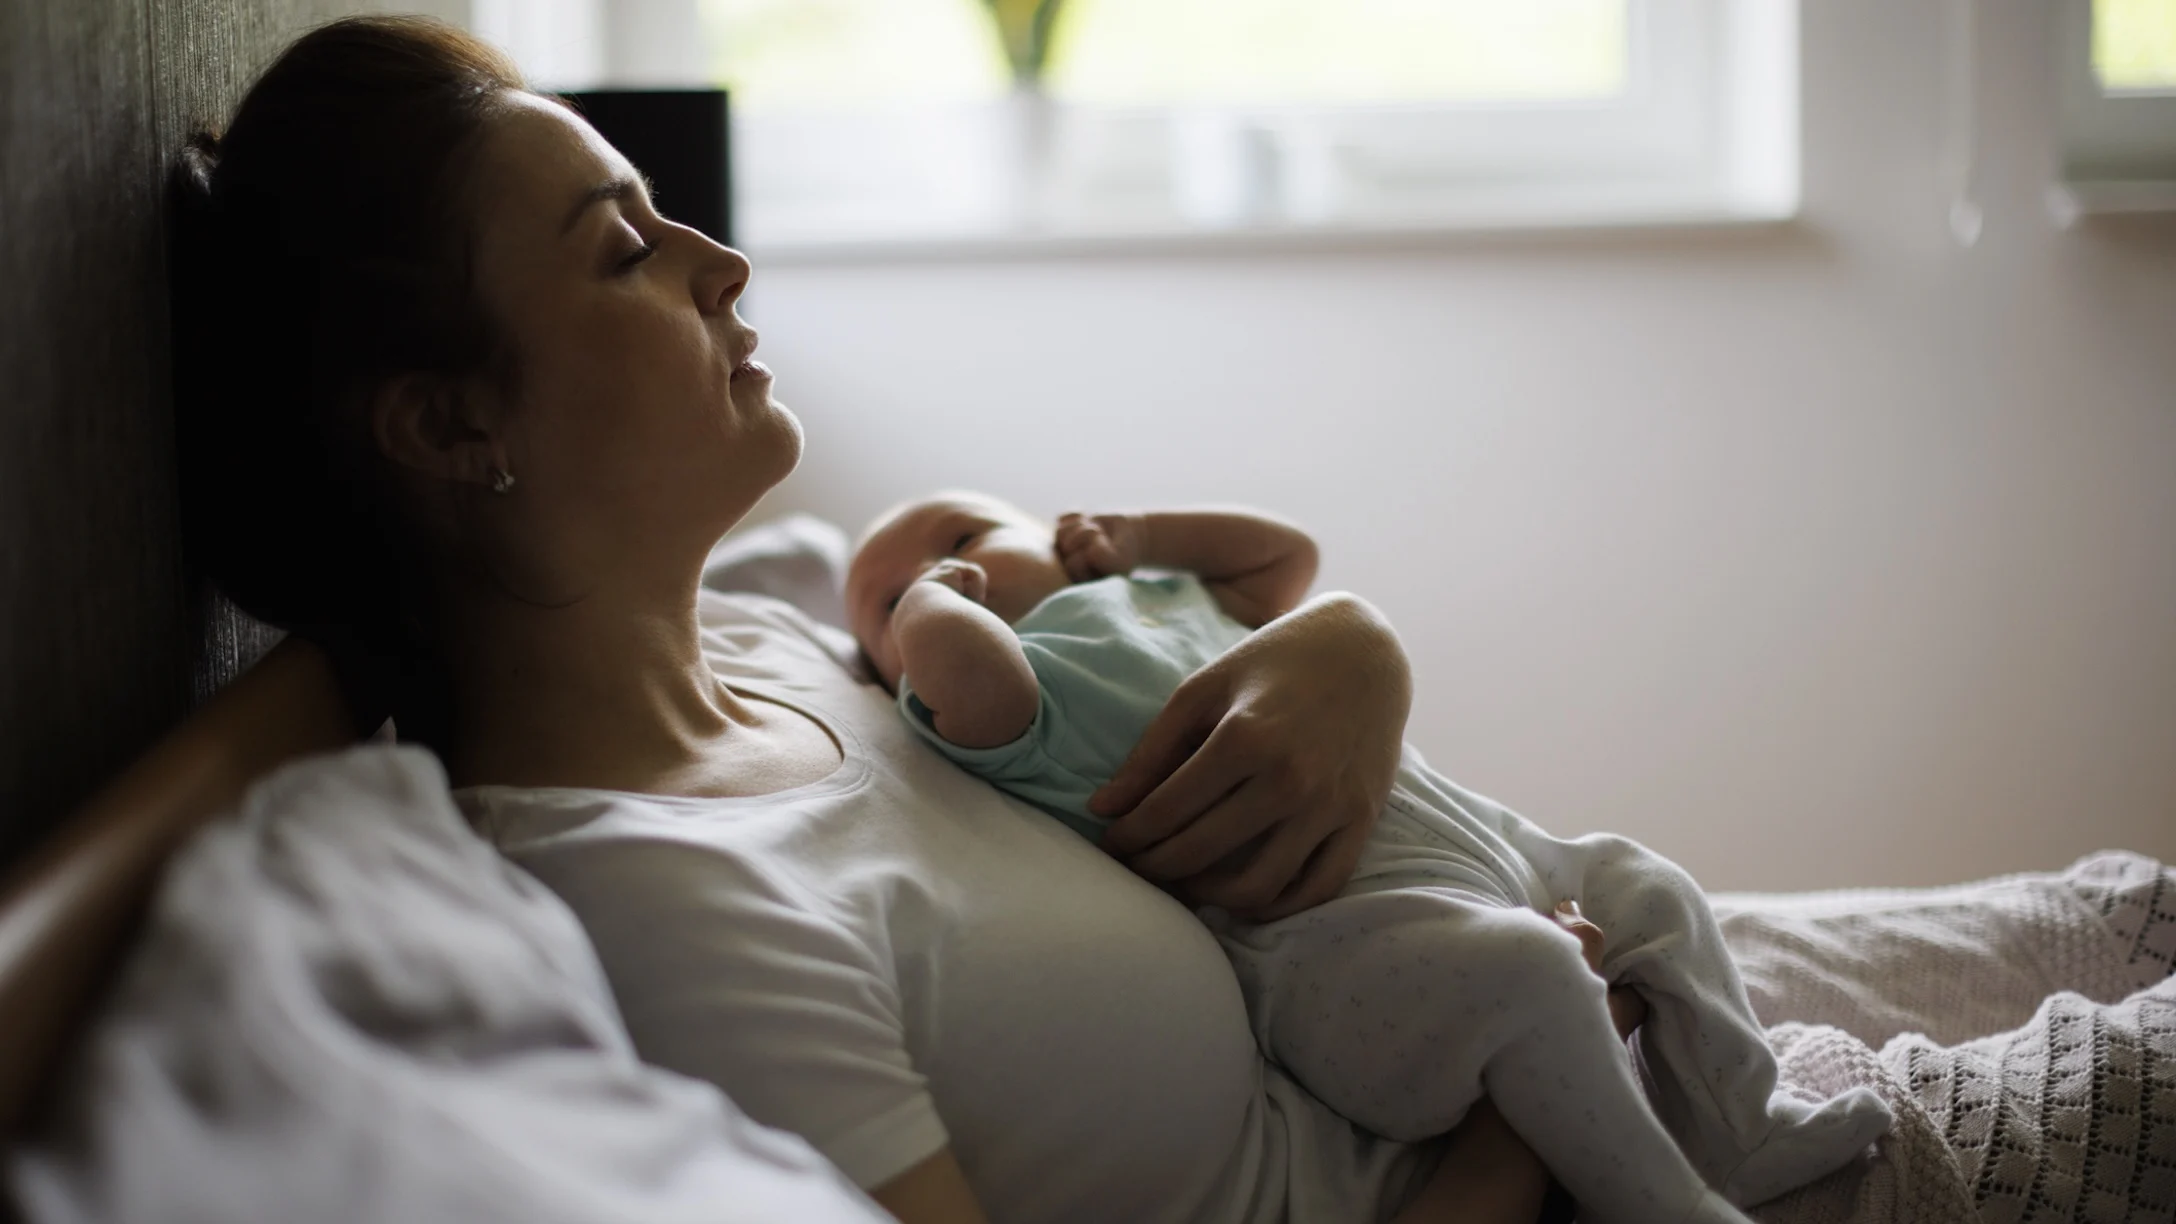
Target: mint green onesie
<point x="1434" y="975"/>
<point x="1106" y="654"/>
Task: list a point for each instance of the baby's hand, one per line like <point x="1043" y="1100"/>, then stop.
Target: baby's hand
<point x="1098" y="546"/>
<point x="1627" y="1009"/>
<point x="965" y="577"/>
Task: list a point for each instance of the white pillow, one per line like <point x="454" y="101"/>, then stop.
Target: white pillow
<point x="349" y="1007"/>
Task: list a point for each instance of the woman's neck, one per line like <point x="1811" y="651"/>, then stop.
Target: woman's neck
<point x="605" y="692"/>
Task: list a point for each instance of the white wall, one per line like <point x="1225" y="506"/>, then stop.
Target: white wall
<point x="1830" y="555"/>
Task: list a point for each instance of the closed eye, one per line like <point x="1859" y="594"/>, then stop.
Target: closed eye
<point x="961" y="544"/>
<point x="633" y="259"/>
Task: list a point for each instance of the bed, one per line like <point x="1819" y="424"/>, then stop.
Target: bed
<point x="2024" y="1028"/>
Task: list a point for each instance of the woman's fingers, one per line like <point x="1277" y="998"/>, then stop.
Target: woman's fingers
<point x="1296" y="868"/>
<point x="1325" y="872"/>
<point x="1196" y="780"/>
<point x="1182" y="726"/>
<point x="1218" y="833"/>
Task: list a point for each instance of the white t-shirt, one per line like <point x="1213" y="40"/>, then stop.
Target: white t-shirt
<point x="899" y="956"/>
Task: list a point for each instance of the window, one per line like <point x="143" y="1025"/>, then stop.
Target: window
<point x="897" y="124"/>
<point x="2117" y="115"/>
<point x="2134" y="46"/>
<point x="779" y="53"/>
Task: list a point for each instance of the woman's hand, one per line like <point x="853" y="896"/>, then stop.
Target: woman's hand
<point x="1283" y="749"/>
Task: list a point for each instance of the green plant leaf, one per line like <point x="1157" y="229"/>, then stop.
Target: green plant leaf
<point x="1025" y="27"/>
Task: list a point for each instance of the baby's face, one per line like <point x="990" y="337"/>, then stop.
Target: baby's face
<point x="1017" y="555"/>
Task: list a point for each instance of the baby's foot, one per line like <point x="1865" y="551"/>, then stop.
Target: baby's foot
<point x="1810" y="1139"/>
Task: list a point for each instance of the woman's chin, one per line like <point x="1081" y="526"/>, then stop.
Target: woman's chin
<point x="772" y="431"/>
<point x="794" y="441"/>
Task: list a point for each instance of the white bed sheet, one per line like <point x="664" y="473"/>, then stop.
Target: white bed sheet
<point x="348" y="1007"/>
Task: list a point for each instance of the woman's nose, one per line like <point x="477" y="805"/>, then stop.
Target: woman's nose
<point x="721" y="276"/>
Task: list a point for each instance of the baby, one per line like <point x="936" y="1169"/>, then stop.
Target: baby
<point x="1032" y="655"/>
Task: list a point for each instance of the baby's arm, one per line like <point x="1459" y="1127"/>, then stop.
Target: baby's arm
<point x="1257" y="567"/>
<point x="964" y="662"/>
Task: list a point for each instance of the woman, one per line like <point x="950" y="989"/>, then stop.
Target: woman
<point x="457" y="400"/>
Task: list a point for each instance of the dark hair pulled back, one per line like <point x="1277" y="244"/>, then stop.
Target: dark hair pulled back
<point x="319" y="249"/>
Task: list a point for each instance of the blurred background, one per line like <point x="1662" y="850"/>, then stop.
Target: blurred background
<point x="1758" y="418"/>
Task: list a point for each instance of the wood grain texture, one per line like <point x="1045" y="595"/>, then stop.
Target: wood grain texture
<point x="104" y="638"/>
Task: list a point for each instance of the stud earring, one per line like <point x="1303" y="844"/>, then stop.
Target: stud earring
<point x="502" y="481"/>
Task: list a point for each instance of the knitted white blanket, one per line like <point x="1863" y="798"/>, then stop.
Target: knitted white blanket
<point x="2024" y="1030"/>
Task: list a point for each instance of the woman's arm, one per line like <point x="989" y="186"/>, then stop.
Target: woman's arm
<point x="964" y="662"/>
<point x="1487" y="1176"/>
<point x="932" y="1192"/>
<point x="1285" y="748"/>
<point x="1257" y="567"/>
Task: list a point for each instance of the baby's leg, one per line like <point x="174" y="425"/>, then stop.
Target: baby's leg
<point x="1397" y="1008"/>
<point x="1713" y="1072"/>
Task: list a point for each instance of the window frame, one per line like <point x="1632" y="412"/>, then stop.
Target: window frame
<point x="2117" y="150"/>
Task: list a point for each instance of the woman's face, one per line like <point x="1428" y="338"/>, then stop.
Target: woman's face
<point x="636" y="428"/>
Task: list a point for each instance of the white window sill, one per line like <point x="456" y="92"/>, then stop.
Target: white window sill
<point x="2069" y="202"/>
<point x="1593" y="217"/>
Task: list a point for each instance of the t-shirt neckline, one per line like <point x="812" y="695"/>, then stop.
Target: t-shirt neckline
<point x="851" y="772"/>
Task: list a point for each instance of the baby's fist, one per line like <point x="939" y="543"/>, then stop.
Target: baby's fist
<point x="965" y="577"/>
<point x="1100" y="545"/>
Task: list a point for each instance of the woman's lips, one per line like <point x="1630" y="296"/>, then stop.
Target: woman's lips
<point x="751" y="369"/>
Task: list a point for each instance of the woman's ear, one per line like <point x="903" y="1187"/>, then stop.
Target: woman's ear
<point x="422" y="422"/>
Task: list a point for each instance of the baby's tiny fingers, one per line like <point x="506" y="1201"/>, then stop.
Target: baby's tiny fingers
<point x="1077" y="537"/>
<point x="1590" y="936"/>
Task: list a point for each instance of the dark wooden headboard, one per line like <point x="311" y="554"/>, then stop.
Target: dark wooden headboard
<point x="69" y="910"/>
<point x="105" y="638"/>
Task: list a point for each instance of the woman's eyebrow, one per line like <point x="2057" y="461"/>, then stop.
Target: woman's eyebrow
<point x="612" y="189"/>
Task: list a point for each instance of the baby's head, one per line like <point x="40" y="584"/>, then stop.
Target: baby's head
<point x="1016" y="552"/>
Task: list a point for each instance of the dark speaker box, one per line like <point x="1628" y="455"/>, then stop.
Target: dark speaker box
<point x="681" y="139"/>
